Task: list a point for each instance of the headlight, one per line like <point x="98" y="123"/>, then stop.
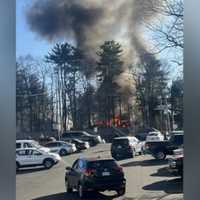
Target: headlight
<point x="99" y="138"/>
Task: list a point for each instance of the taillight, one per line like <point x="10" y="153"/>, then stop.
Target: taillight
<point x="119" y="169"/>
<point x="89" y="172"/>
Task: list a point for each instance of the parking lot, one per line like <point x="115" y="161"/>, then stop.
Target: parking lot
<point x="147" y="179"/>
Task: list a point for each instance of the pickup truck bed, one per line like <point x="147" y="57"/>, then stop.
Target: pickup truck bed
<point x="160" y="149"/>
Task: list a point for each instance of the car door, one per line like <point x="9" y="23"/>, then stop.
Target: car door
<point x="72" y="174"/>
<point x="36" y="157"/>
<point x="55" y="147"/>
<point x="26" y="158"/>
<point x="21" y="157"/>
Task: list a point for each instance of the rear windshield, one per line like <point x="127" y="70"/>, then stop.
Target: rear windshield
<point x="177" y="139"/>
<point x="123" y="142"/>
<point x="101" y="163"/>
<point x="153" y="134"/>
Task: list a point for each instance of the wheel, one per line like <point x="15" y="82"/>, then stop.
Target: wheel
<point x="81" y="193"/>
<point x="63" y="152"/>
<point x="121" y="192"/>
<point x="134" y="153"/>
<point x="48" y="163"/>
<point x="68" y="188"/>
<point x="160" y="155"/>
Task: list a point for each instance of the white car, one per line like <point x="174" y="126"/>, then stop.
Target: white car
<point x="62" y="148"/>
<point x="122" y="143"/>
<point x="22" y="144"/>
<point x="154" y="136"/>
<point x="30" y="157"/>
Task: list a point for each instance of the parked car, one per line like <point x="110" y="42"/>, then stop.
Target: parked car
<point x="30" y="144"/>
<point x="30" y="157"/>
<point x="95" y="174"/>
<point x="154" y="136"/>
<point x="126" y="147"/>
<point x="80" y="145"/>
<point x="160" y="149"/>
<point x="176" y="162"/>
<point x="62" y="148"/>
<point x="82" y="135"/>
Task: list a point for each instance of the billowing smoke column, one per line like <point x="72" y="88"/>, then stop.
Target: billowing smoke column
<point x="91" y="22"/>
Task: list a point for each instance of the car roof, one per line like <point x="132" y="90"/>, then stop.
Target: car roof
<point x="176" y="134"/>
<point x="153" y="132"/>
<point x="32" y="148"/>
<point x="25" y="141"/>
<point x="96" y="159"/>
<point x="124" y="137"/>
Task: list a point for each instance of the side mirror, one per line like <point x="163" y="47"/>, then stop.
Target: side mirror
<point x="68" y="168"/>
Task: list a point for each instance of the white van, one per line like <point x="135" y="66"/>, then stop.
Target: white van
<point x="23" y="144"/>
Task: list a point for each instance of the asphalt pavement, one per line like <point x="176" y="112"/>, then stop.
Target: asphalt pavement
<point x="147" y="179"/>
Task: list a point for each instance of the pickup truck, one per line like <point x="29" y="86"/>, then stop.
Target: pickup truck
<point x="160" y="149"/>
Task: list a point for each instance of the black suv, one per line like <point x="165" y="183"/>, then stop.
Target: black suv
<point x="82" y="135"/>
<point x="95" y="174"/>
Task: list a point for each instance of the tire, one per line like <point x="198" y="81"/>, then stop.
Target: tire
<point x="81" y="193"/>
<point x="67" y="187"/>
<point x="63" y="152"/>
<point x="121" y="192"/>
<point x="48" y="163"/>
<point x="160" y="155"/>
<point x="134" y="153"/>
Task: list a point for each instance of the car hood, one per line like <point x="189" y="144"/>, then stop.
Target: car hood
<point x="45" y="149"/>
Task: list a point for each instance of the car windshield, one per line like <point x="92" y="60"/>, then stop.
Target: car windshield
<point x="87" y="134"/>
<point x="36" y="144"/>
<point x="176" y="139"/>
<point x="120" y="142"/>
<point x="101" y="164"/>
<point x="153" y="134"/>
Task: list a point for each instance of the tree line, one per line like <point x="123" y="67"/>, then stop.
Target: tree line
<point x="64" y="96"/>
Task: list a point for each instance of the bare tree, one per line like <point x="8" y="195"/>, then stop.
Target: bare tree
<point x="168" y="27"/>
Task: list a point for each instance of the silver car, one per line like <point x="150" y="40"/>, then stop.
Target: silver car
<point x="62" y="148"/>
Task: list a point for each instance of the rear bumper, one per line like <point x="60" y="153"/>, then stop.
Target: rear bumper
<point x="111" y="185"/>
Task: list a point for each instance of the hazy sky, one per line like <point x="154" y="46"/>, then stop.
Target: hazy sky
<point x="26" y="41"/>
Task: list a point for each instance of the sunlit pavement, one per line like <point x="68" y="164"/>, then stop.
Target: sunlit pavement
<point x="147" y="179"/>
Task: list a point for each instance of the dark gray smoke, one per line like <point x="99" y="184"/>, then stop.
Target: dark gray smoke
<point x="91" y="22"/>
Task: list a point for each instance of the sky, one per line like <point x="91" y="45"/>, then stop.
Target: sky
<point x="29" y="43"/>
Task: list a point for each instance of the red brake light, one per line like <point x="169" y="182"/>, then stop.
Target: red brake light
<point x="89" y="172"/>
<point x="119" y="169"/>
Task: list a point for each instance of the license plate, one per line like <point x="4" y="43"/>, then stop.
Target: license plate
<point x="106" y="174"/>
<point x="119" y="147"/>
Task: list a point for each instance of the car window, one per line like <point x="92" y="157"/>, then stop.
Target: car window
<point x="21" y="152"/>
<point x="81" y="165"/>
<point x="75" y="165"/>
<point x="18" y="145"/>
<point x="78" y="134"/>
<point x="102" y="164"/>
<point x="27" y="145"/>
<point x="123" y="142"/>
<point x="136" y="140"/>
<point x="36" y="153"/>
<point x="176" y="139"/>
<point x="53" y="144"/>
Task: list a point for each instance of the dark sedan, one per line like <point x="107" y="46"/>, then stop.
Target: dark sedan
<point x="95" y="174"/>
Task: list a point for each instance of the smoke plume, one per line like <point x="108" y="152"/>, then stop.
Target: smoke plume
<point x="91" y="22"/>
